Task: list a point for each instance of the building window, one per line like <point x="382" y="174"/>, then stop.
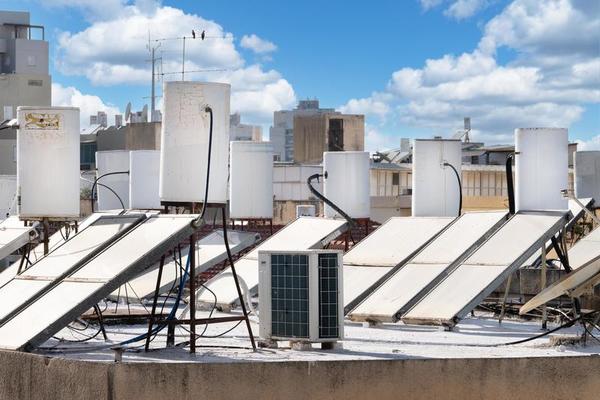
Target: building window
<point x="336" y="134"/>
<point x="87" y="155"/>
<point x="395" y="179"/>
<point x="35" y="82"/>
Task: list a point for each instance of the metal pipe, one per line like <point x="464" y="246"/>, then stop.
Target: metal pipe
<point x="326" y="200"/>
<point x="509" y="184"/>
<point x="102" y="176"/>
<point x="446" y="164"/>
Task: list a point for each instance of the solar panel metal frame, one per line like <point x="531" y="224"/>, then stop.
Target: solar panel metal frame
<point x="393" y="269"/>
<point x="451" y="266"/>
<point x="569" y="226"/>
<point x="17" y="242"/>
<point x="227" y="304"/>
<point x="557" y="226"/>
<point x="110" y="285"/>
<point x="201" y="265"/>
<point x="57" y="279"/>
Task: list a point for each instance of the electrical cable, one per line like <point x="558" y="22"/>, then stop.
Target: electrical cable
<point x="509" y="184"/>
<point x="102" y="176"/>
<point x="446" y="164"/>
<point x="325" y="199"/>
<point x="197" y="223"/>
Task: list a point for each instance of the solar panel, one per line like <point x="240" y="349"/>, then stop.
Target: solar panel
<point x="132" y="253"/>
<point x="585" y="277"/>
<point x="474" y="279"/>
<point x="576" y="213"/>
<point x="403" y="287"/>
<point x="61" y="261"/>
<point x="390" y="245"/>
<point x="586" y="249"/>
<point x="301" y="234"/>
<point x="13" y="236"/>
<point x="38" y="251"/>
<point x="210" y="250"/>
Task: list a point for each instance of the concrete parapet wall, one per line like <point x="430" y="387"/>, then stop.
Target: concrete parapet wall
<point x="32" y="377"/>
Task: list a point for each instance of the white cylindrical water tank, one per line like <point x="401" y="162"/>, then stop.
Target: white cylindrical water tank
<point x="435" y="188"/>
<point x="109" y="162"/>
<point x="8" y="195"/>
<point x="184" y="142"/>
<point x="347" y="183"/>
<point x="144" y="172"/>
<point x="541" y="168"/>
<point x="587" y="174"/>
<point x="251" y="180"/>
<point x="48" y="162"/>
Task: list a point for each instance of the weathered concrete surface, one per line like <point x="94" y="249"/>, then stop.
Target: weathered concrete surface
<point x="32" y="377"/>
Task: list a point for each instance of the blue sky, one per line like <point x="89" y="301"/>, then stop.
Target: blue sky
<point x="414" y="67"/>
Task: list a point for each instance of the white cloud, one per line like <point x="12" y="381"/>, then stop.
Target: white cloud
<point x="377" y="141"/>
<point x="462" y="9"/>
<point x="88" y="104"/>
<point x="370" y="106"/>
<point x="591" y="144"/>
<point x="457" y="9"/>
<point x="555" y="74"/>
<point x="429" y="4"/>
<point x="113" y="51"/>
<point x="257" y="45"/>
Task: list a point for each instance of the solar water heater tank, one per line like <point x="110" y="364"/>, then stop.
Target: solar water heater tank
<point x="109" y="162"/>
<point x="347" y="183"/>
<point x="144" y="169"/>
<point x="184" y="142"/>
<point x="541" y="168"/>
<point x="48" y="162"/>
<point x="587" y="174"/>
<point x="435" y="189"/>
<point x="251" y="180"/>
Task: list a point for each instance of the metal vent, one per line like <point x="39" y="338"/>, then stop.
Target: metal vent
<point x="328" y="296"/>
<point x="289" y="295"/>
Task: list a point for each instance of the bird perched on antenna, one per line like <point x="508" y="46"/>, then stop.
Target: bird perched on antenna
<point x="203" y="35"/>
<point x="193" y="34"/>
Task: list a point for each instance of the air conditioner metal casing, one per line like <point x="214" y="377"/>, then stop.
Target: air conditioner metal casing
<point x="311" y="321"/>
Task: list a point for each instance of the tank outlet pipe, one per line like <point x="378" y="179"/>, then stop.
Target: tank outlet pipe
<point x="198" y="222"/>
<point x="509" y="184"/>
<point x="325" y="199"/>
<point x="102" y="176"/>
<point x="447" y="164"/>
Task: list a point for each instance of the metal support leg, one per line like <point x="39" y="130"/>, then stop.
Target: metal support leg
<point x="237" y="283"/>
<point x="506" y="291"/>
<point x="46" y="227"/>
<point x="100" y="320"/>
<point x="543" y="286"/>
<point x="192" y="293"/>
<point x="154" y="303"/>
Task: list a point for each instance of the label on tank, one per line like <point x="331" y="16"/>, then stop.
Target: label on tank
<point x="43" y="121"/>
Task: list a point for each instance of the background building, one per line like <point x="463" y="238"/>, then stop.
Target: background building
<point x="24" y="78"/>
<point x="315" y="134"/>
<point x="239" y="131"/>
<point x="281" y="134"/>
